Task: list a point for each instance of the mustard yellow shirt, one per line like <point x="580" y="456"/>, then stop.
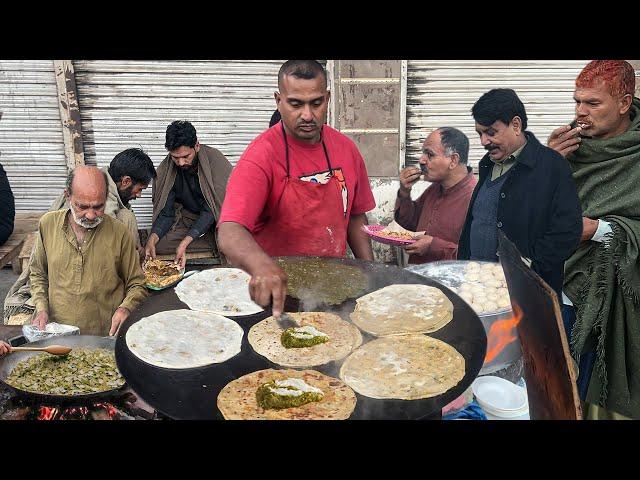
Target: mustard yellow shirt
<point x="83" y="285"/>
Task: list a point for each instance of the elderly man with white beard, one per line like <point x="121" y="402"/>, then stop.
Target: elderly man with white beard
<point x="85" y="269"/>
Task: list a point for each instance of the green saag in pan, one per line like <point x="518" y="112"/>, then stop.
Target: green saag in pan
<point x="82" y="371"/>
<point x="320" y="281"/>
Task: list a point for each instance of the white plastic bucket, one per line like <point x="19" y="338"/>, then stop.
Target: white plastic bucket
<point x="500" y="399"/>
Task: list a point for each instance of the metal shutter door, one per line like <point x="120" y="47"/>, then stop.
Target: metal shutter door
<point x="31" y="141"/>
<point x="127" y="104"/>
<point x="441" y="93"/>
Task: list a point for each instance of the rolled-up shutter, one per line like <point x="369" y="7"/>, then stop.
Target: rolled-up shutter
<point x="127" y="104"/>
<point x="441" y="93"/>
<point x="31" y="140"/>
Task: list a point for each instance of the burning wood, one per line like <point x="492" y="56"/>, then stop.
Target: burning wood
<point x="47" y="413"/>
<point x="125" y="407"/>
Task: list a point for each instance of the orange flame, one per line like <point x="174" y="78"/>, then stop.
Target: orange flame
<point x="501" y="334"/>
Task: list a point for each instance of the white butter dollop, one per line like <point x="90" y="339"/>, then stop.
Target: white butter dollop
<point x="298" y="384"/>
<point x="307" y="332"/>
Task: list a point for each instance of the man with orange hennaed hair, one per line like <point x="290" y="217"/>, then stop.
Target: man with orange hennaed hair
<point x="601" y="292"/>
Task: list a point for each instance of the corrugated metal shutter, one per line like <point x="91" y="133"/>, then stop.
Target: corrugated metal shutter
<point x="31" y="141"/>
<point x="441" y="93"/>
<point x="127" y="104"/>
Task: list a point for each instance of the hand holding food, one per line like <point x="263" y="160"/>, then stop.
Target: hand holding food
<point x="181" y="252"/>
<point x="150" y="248"/>
<point x="421" y="245"/>
<point x="565" y="139"/>
<point x="408" y="177"/>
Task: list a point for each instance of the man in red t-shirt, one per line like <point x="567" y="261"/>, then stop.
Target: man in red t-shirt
<point x="300" y="188"/>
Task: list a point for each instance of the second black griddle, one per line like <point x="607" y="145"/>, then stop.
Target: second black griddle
<point x="192" y="393"/>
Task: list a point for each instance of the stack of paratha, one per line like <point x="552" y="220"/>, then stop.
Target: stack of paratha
<point x="237" y="400"/>
<point x="402" y="309"/>
<point x="265" y="338"/>
<point x="224" y="291"/>
<point x="184" y="339"/>
<point x="160" y="273"/>
<point x="407" y="367"/>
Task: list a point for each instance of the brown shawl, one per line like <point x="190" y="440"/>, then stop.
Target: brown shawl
<point x="213" y="173"/>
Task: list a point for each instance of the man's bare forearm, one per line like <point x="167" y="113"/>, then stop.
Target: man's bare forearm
<point x="359" y="242"/>
<point x="238" y="245"/>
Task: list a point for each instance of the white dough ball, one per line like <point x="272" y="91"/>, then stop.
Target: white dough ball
<point x="465" y="287"/>
<point x="477" y="307"/>
<point x="492" y="282"/>
<point x="473" y="266"/>
<point x="466" y="296"/>
<point x="490" y="306"/>
<point x="472" y="277"/>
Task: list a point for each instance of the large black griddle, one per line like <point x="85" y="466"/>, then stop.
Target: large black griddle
<point x="8" y="363"/>
<point x="192" y="393"/>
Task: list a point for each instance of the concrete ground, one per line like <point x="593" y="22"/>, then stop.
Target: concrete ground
<point x="7" y="278"/>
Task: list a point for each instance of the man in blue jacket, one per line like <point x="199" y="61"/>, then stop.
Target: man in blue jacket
<point x="524" y="189"/>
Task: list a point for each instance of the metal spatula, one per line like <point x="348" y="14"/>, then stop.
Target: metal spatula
<point x="286" y="321"/>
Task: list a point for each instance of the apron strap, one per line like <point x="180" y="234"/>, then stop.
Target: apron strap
<point x="286" y="151"/>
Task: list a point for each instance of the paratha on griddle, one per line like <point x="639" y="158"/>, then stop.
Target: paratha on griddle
<point x="343" y="337"/>
<point x="237" y="400"/>
<point x="407" y="367"/>
<point x="402" y="309"/>
<point x="184" y="339"/>
<point x="224" y="291"/>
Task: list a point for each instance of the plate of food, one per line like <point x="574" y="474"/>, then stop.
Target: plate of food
<point x="392" y="234"/>
<point x="161" y="274"/>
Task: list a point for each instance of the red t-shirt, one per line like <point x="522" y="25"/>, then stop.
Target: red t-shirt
<point x="257" y="181"/>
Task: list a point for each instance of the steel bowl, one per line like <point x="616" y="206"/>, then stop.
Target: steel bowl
<point x="450" y="273"/>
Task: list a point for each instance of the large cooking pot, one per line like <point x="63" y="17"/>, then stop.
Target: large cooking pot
<point x="192" y="393"/>
<point x="451" y="273"/>
<point x="9" y="362"/>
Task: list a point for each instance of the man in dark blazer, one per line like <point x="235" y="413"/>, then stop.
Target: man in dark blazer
<point x="524" y="189"/>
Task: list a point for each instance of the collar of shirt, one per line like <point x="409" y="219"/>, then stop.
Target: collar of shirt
<point x="507" y="162"/>
<point x="448" y="191"/>
<point x="511" y="158"/>
<point x="67" y="229"/>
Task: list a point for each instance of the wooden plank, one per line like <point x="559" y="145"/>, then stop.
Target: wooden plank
<point x="27" y="222"/>
<point x="11" y="248"/>
<point x="69" y="113"/>
<point x="548" y="366"/>
<point x="24" y="224"/>
<point x="194" y="255"/>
